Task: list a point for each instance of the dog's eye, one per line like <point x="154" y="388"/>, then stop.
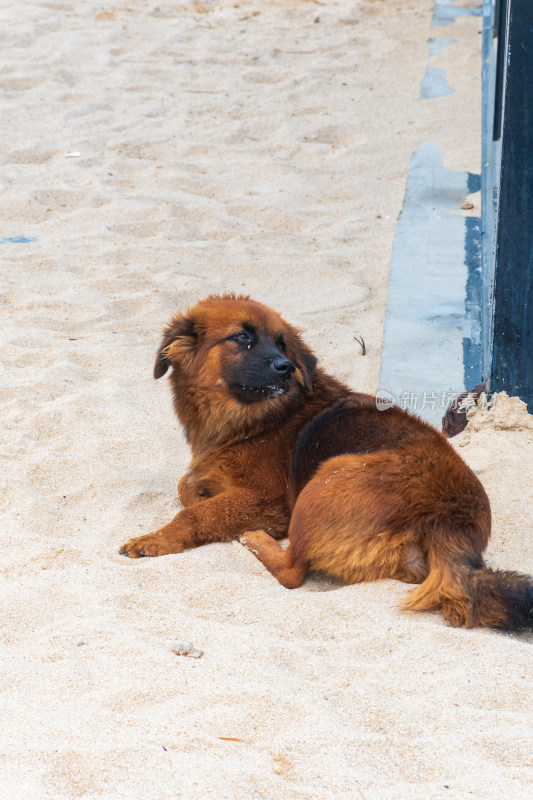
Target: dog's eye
<point x="280" y="344"/>
<point x="242" y="337"/>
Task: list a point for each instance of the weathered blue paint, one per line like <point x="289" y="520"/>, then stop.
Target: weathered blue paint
<point x="431" y="344"/>
<point x="472" y="344"/>
<point x="18" y="239"/>
<point x="490" y="179"/>
<point x="436" y="45"/>
<point x="435" y="83"/>
<point x="445" y="13"/>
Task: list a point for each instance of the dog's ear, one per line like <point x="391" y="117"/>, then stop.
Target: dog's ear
<point x="306" y="364"/>
<point x="180" y="328"/>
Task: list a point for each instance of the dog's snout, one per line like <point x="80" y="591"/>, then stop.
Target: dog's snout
<point x="283" y="366"/>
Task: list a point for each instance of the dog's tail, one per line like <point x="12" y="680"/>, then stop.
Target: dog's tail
<point x="470" y="594"/>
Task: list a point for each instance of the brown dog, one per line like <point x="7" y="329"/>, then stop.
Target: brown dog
<point x="277" y="445"/>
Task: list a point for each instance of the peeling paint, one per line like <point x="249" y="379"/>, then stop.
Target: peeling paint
<point x="445" y="13"/>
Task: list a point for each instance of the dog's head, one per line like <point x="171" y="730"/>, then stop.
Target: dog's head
<point x="238" y="347"/>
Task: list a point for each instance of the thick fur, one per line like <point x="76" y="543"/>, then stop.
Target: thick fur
<point x="278" y="445"/>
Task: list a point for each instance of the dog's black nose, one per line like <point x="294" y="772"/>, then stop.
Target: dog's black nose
<point x="283" y="366"/>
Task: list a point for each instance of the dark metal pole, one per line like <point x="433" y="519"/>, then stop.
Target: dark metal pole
<point x="500" y="25"/>
<point x="512" y="360"/>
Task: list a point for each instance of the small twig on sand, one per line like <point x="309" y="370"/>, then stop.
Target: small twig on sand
<point x="361" y="341"/>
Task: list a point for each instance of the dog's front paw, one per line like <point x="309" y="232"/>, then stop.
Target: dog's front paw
<point x="152" y="544"/>
<point x="252" y="539"/>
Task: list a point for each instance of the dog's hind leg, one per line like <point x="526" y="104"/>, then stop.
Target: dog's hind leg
<point x="278" y="561"/>
<point x="412" y="565"/>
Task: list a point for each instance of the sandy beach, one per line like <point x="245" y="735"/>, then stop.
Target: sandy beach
<point x="151" y="155"/>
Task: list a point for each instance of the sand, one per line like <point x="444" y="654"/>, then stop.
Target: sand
<point x="153" y="154"/>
